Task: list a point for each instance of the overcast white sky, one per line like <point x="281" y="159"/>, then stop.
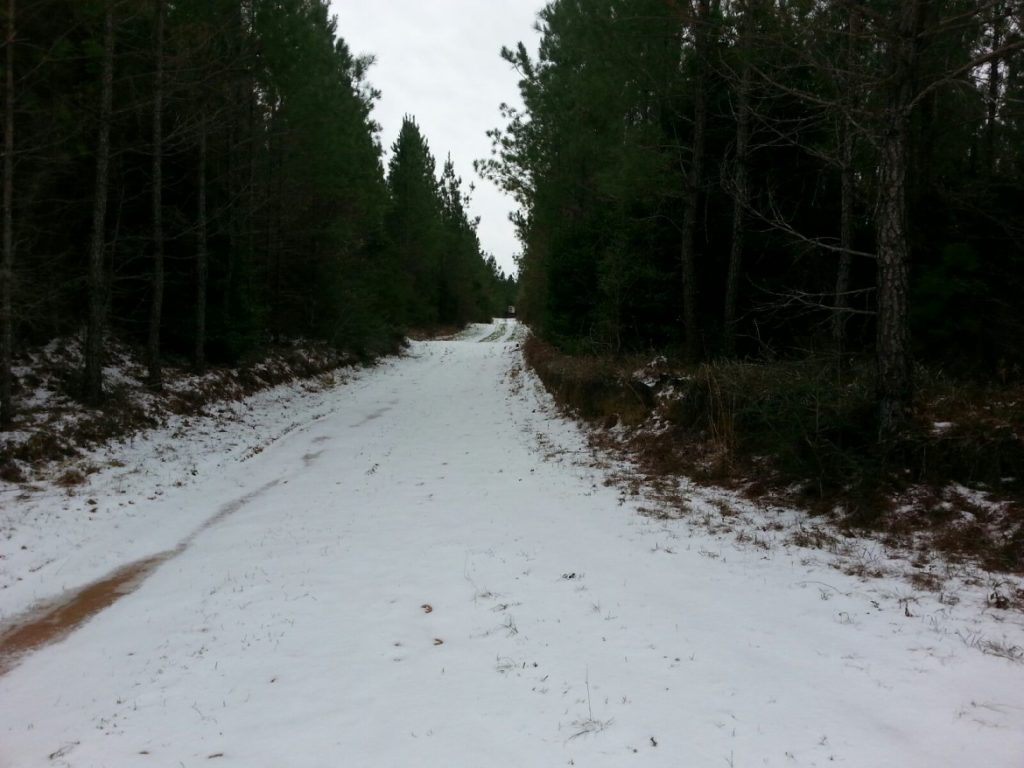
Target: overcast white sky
<point x="438" y="60"/>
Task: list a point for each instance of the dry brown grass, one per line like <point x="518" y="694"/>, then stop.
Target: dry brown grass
<point x="69" y="478"/>
<point x="598" y="389"/>
<point x="796" y="433"/>
<point x="435" y="333"/>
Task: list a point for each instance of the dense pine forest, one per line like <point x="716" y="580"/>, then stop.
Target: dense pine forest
<point x="204" y="177"/>
<point x="744" y="179"/>
<point x="811" y="210"/>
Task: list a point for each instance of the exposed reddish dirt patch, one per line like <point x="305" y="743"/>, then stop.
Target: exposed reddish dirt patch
<point x="54" y="621"/>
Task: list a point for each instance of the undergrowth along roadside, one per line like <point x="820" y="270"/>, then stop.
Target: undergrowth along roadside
<point x="53" y="427"/>
<point x="802" y="433"/>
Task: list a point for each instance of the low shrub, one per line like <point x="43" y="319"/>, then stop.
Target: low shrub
<point x="805" y="431"/>
<point x="596" y="388"/>
<point x="814" y="427"/>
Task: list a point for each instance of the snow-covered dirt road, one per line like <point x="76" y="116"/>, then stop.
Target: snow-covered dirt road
<point x="426" y="569"/>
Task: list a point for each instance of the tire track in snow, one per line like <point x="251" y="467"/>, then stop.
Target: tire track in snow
<point x="501" y="328"/>
<point x="53" y="620"/>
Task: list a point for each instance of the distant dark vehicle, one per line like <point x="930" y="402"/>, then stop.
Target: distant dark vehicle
<point x="511" y="311"/>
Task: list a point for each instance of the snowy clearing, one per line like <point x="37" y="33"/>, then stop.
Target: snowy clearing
<point x="424" y="566"/>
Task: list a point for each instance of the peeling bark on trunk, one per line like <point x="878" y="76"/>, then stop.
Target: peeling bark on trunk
<point x="7" y="262"/>
<point x="93" y="374"/>
<point x="895" y="388"/>
<point x="156" y="307"/>
<point x="895" y="383"/>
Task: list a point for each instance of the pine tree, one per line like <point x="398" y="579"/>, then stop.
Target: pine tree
<point x="93" y="358"/>
<point x="7" y="256"/>
<point x="414" y="228"/>
<point x="153" y="349"/>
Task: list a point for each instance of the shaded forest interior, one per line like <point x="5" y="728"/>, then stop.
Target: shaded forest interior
<point x="811" y="213"/>
<point x="202" y="178"/>
<point x="813" y="207"/>
<point x="762" y="179"/>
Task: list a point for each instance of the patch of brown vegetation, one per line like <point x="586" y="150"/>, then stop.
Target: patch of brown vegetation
<point x="800" y="434"/>
<point x="596" y="388"/>
<point x="70" y="478"/>
<point x="436" y="333"/>
<point x="12" y="473"/>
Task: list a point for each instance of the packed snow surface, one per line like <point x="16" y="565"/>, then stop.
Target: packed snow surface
<point x="424" y="567"/>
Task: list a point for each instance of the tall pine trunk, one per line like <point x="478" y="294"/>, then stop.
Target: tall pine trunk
<point x="157" y="301"/>
<point x="694" y="179"/>
<point x="846" y="219"/>
<point x="741" y="191"/>
<point x="847" y="194"/>
<point x="240" y="131"/>
<point x="7" y="259"/>
<point x="93" y="374"/>
<point x="202" y="266"/>
<point x="895" y="387"/>
<point x="893" y="355"/>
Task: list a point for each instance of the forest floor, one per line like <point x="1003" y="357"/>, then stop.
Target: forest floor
<point x="801" y="433"/>
<point x="425" y="564"/>
<point x="52" y="429"/>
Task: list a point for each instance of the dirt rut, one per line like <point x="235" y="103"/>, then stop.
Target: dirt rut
<point x="51" y="621"/>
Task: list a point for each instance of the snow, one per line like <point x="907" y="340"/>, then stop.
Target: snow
<point x="54" y="539"/>
<point x="424" y="566"/>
